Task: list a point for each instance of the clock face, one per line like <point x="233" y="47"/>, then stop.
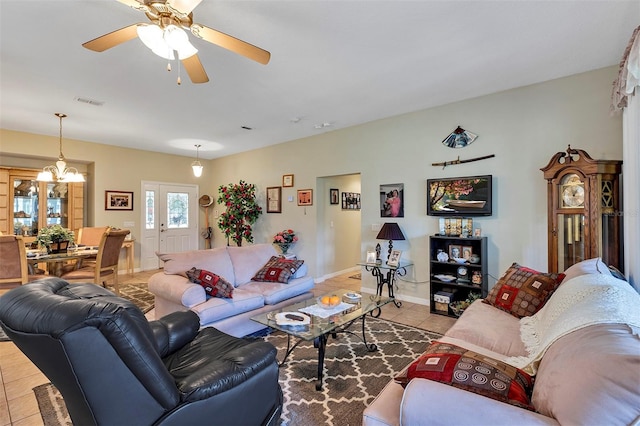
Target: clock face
<point x="573" y="196"/>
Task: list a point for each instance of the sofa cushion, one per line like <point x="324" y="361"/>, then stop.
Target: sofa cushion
<point x="274" y="293"/>
<point x="591" y="377"/>
<point x="471" y="371"/>
<point x="522" y="291"/>
<point x="278" y="269"/>
<point x="589" y="266"/>
<point x="247" y="260"/>
<point x="216" y="260"/>
<point x="216" y="308"/>
<point x="214" y="285"/>
<point x="484" y="325"/>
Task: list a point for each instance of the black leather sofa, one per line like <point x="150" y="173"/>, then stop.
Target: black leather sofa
<point x="113" y="367"/>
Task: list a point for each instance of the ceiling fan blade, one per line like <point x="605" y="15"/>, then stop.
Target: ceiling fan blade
<point x="134" y="4"/>
<point x="182" y="6"/>
<point x="112" y="39"/>
<point x="195" y="69"/>
<point x="231" y="43"/>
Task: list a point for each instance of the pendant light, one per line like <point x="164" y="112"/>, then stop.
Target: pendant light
<point x="196" y="166"/>
<point x="60" y="171"/>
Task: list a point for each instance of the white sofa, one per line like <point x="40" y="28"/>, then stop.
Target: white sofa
<point x="174" y="292"/>
<point x="588" y="373"/>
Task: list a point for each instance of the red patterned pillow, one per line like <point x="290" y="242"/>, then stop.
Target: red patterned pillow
<point x="522" y="291"/>
<point x="214" y="285"/>
<point x="278" y="269"/>
<point x="468" y="370"/>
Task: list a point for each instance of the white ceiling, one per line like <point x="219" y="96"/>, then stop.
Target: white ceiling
<point x="338" y="62"/>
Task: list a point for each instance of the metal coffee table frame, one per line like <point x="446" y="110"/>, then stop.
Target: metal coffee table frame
<point x="321" y="328"/>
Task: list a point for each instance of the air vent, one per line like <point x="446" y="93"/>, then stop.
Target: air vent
<point x="89" y="101"/>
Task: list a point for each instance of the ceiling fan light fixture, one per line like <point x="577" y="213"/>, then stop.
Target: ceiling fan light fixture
<point x="175" y="37"/>
<point x="153" y="37"/>
<point x="187" y="51"/>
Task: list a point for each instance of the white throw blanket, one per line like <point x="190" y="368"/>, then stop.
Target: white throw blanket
<point x="580" y="302"/>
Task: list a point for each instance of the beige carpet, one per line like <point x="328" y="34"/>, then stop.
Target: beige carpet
<point x="353" y="376"/>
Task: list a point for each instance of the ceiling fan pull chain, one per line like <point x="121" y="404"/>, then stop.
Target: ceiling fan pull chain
<point x="179" y="79"/>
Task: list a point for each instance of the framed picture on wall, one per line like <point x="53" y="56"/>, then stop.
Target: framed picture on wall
<point x="274" y="199"/>
<point x="118" y="200"/>
<point x="334" y="196"/>
<point x="305" y="197"/>
<point x="392" y="200"/>
<point x="287" y="180"/>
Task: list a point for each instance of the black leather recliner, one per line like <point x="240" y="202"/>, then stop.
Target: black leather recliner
<point x="113" y="367"/>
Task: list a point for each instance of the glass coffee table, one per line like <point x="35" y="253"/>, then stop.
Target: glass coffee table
<point x="323" y="322"/>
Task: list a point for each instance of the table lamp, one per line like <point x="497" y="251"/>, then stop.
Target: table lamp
<point x="390" y="231"/>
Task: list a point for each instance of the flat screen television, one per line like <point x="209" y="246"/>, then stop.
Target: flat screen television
<point x="459" y="196"/>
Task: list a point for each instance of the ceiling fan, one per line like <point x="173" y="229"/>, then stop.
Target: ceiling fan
<point x="166" y="35"/>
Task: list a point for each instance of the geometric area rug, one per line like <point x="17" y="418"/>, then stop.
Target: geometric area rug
<point x="353" y="377"/>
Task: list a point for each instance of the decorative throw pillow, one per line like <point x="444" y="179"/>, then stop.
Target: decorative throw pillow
<point x="278" y="269"/>
<point x="471" y="371"/>
<point x="214" y="285"/>
<point x="522" y="291"/>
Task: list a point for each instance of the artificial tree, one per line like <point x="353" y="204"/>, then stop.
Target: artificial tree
<point x="242" y="211"/>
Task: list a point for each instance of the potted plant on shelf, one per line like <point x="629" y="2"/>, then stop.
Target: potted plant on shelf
<point x="284" y="239"/>
<point x="55" y="238"/>
<point x="242" y="211"/>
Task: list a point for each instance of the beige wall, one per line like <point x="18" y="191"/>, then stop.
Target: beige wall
<point x="523" y="127"/>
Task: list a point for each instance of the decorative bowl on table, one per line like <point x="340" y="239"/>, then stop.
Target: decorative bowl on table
<point x="329" y="301"/>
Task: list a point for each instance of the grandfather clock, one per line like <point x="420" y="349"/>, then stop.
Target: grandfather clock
<point x="583" y="202"/>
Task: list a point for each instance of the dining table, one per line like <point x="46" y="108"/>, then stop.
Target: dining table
<point x="55" y="261"/>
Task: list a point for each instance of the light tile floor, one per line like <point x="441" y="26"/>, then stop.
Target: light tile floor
<point x="18" y="376"/>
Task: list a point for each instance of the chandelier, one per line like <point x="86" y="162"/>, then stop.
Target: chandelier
<point x="196" y="165"/>
<point x="60" y="171"/>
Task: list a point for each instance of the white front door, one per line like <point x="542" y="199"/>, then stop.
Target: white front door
<point x="170" y="216"/>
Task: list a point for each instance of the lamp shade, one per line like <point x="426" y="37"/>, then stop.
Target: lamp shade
<point x="390" y="231"/>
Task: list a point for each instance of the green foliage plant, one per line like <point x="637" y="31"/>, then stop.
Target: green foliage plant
<point x="242" y="211"/>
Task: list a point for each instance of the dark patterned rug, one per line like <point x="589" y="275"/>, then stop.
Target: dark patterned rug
<point x="352" y="376"/>
<point x="138" y="293"/>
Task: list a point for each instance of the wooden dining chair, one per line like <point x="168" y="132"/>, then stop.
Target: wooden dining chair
<point x="106" y="265"/>
<point x="14" y="270"/>
<point x="90" y="236"/>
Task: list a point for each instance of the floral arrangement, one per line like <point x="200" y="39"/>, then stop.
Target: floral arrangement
<point x="288" y="236"/>
<point x="242" y="211"/>
<point x="284" y="239"/>
<point x="54" y="234"/>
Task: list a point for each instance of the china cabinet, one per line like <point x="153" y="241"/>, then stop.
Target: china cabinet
<point x="458" y="269"/>
<point x="583" y="208"/>
<point x="26" y="205"/>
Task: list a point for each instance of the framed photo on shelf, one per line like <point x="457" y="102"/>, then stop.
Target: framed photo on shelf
<point x="334" y="196"/>
<point x="305" y="197"/>
<point x="274" y="199"/>
<point x="394" y="258"/>
<point x="287" y="180"/>
<point x="467" y="251"/>
<point x="371" y="256"/>
<point x="118" y="200"/>
<point x="455" y="251"/>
